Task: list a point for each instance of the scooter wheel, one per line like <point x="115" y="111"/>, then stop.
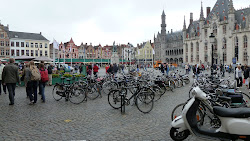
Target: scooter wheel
<point x="178" y="136"/>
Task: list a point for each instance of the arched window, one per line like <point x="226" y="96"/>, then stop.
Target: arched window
<point x="245" y="41"/>
<point x="236" y="50"/>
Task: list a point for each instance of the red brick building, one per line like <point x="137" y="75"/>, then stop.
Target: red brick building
<point x="68" y="49"/>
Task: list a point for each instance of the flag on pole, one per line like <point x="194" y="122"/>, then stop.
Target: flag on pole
<point x="70" y="48"/>
<point x="63" y="49"/>
<point x="55" y="44"/>
<point x="153" y="51"/>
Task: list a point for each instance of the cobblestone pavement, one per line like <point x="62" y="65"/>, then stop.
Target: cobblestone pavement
<point x="91" y="120"/>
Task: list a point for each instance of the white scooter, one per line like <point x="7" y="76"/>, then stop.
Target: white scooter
<point x="235" y="123"/>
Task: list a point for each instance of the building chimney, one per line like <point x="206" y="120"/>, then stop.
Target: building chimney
<point x="191" y="18"/>
<point x="208" y="11"/>
<point x="171" y="31"/>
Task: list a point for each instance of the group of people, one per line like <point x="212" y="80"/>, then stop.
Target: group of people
<point x="32" y="76"/>
<point x="242" y="75"/>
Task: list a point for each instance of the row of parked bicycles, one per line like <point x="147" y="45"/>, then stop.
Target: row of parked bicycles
<point x="215" y="109"/>
<point x="140" y="90"/>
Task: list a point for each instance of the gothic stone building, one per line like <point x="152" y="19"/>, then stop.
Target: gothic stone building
<point x="168" y="46"/>
<point x="232" y="33"/>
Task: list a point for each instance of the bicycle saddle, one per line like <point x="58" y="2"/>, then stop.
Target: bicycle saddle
<point x="232" y="112"/>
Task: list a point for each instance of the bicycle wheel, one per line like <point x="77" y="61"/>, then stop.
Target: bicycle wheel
<point x="93" y="91"/>
<point x="157" y="92"/>
<point x="163" y="89"/>
<point x="107" y="86"/>
<point x="77" y="95"/>
<point x="177" y="111"/>
<point x="187" y="81"/>
<point x="58" y="92"/>
<point x="114" y="99"/>
<point x="145" y="101"/>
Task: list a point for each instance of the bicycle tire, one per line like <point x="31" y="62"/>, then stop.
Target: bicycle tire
<point x="114" y="99"/>
<point x="93" y="91"/>
<point x="175" y="113"/>
<point x="108" y="85"/>
<point x="77" y="95"/>
<point x="145" y="98"/>
<point x="157" y="92"/>
<point x="57" y="88"/>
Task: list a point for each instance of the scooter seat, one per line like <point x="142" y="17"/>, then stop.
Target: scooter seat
<point x="232" y="112"/>
<point x="224" y="98"/>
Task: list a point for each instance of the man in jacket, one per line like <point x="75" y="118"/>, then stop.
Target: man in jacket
<point x="10" y="77"/>
<point x="50" y="69"/>
<point x="1" y="71"/>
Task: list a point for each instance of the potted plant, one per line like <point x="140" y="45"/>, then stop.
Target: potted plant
<point x="55" y="79"/>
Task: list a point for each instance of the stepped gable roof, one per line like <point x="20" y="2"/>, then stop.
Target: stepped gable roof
<point x="25" y="35"/>
<point x="174" y="36"/>
<point x="221" y="9"/>
<point x="240" y="16"/>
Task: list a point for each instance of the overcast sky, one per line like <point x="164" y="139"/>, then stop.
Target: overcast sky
<point x="100" y="21"/>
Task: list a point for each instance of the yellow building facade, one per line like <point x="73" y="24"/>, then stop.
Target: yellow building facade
<point x="145" y="52"/>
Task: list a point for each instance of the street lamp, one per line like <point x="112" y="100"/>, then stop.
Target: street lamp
<point x="211" y="38"/>
<point x="223" y="61"/>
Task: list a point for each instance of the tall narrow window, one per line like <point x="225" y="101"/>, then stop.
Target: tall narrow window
<point x="215" y="28"/>
<point x="32" y="53"/>
<point x="236" y="49"/>
<point x="36" y="52"/>
<point x="224" y="29"/>
<point x="17" y="44"/>
<point x="31" y="44"/>
<point x="12" y="44"/>
<point x="7" y="52"/>
<point x="192" y="47"/>
<point x="2" y="43"/>
<point x="27" y="53"/>
<point x="2" y="52"/>
<point x="27" y="44"/>
<point x="245" y="41"/>
<point x="41" y="53"/>
<point x="41" y="45"/>
<point x="197" y="47"/>
<point x="36" y="45"/>
<point x="22" y="44"/>
<point x="7" y="43"/>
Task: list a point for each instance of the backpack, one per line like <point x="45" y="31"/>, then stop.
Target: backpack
<point x="44" y="75"/>
<point x="35" y="75"/>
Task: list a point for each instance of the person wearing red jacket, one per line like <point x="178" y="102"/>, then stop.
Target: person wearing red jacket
<point x="95" y="69"/>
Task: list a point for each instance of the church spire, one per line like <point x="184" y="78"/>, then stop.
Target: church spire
<point x="184" y="25"/>
<point x="163" y="23"/>
<point x="231" y="7"/>
<point x="201" y="14"/>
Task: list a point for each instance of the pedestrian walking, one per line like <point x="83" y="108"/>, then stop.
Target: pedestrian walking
<point x="246" y="75"/>
<point x="95" y="69"/>
<point x="115" y="69"/>
<point x="162" y="68"/>
<point x="238" y="76"/>
<point x="122" y="67"/>
<point x="89" y="69"/>
<point x="186" y="68"/>
<point x="50" y="68"/>
<point x="26" y="77"/>
<point x="167" y="69"/>
<point x="44" y="79"/>
<point x="32" y="84"/>
<point x="10" y="77"/>
<point x="1" y="84"/>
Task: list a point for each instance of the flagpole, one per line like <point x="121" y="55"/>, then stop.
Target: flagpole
<point x="71" y="54"/>
<point x="54" y="56"/>
<point x="64" y="54"/>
